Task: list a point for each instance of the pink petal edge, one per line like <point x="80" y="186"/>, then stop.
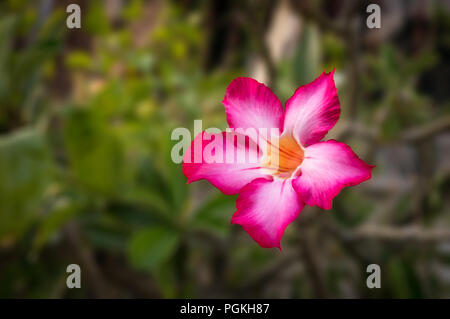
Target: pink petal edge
<point x="265" y="209"/>
<point x="329" y="166"/>
<point x="227" y="177"/>
<point x="251" y="104"/>
<point x="313" y="110"/>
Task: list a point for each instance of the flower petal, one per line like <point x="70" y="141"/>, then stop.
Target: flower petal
<point x="236" y="166"/>
<point x="249" y="103"/>
<point x="328" y="167"/>
<point x="313" y="110"/>
<point x="266" y="208"/>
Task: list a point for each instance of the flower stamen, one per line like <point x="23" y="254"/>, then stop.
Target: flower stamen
<point x="284" y="155"/>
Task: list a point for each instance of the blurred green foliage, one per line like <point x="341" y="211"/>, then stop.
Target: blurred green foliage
<point x="86" y="118"/>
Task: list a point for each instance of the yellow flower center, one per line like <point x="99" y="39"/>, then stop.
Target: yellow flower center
<point x="284" y="155"/>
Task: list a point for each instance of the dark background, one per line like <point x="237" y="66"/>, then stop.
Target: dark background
<point x="86" y="176"/>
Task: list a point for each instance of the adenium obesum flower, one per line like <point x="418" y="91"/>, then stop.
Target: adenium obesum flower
<point x="297" y="168"/>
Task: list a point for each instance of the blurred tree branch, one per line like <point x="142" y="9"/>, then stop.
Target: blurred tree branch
<point x="427" y="131"/>
<point x="411" y="135"/>
<point x="408" y="235"/>
<point x="309" y="255"/>
<point x="83" y="254"/>
<point x="256" y="28"/>
<point x="310" y="12"/>
<point x="262" y="277"/>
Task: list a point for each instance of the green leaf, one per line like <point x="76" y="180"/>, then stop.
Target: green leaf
<point x="96" y="20"/>
<point x="78" y="60"/>
<point x="403" y="280"/>
<point x="24" y="176"/>
<point x="306" y="63"/>
<point x="95" y="152"/>
<point x="62" y="211"/>
<point x="151" y="248"/>
<point x="216" y="213"/>
<point x="6" y="29"/>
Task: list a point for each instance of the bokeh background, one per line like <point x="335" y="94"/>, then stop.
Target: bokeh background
<point x="86" y="177"/>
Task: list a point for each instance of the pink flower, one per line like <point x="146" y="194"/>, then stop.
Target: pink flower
<point x="296" y="169"/>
